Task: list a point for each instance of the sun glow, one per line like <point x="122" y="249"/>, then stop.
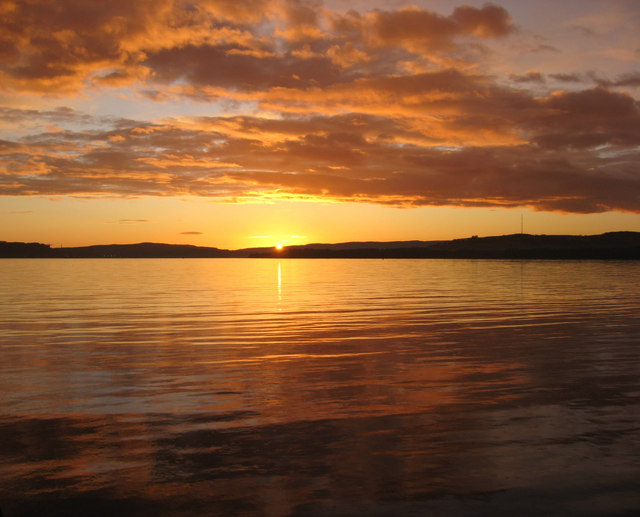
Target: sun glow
<point x="279" y="247"/>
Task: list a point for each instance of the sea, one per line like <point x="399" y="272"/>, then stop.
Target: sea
<point x="311" y="387"/>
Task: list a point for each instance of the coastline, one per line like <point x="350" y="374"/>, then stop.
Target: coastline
<point x="607" y="246"/>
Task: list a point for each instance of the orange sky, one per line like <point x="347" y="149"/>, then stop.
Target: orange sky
<point x="238" y="124"/>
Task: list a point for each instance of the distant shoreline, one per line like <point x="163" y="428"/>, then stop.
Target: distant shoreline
<point x="606" y="246"/>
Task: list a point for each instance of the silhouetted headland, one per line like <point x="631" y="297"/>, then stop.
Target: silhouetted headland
<point x="141" y="250"/>
<point x="612" y="245"/>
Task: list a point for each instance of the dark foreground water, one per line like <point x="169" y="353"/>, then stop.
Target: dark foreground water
<point x="311" y="387"/>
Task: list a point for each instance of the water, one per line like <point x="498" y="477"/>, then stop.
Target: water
<point x="319" y="387"/>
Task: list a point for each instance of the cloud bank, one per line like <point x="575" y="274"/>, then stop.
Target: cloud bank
<point x="385" y="106"/>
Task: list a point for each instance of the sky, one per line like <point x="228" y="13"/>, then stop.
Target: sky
<point x="241" y="124"/>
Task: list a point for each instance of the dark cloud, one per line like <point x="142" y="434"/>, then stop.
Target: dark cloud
<point x="631" y="79"/>
<point x="499" y="177"/>
<point x="191" y="233"/>
<point x="413" y="25"/>
<point x="584" y="31"/>
<point x="61" y="115"/>
<point x="545" y="48"/>
<point x="567" y="78"/>
<point x="420" y="29"/>
<point x="355" y="157"/>
<point x="302" y="13"/>
<point x="218" y="66"/>
<point x="587" y="119"/>
<point x="491" y="21"/>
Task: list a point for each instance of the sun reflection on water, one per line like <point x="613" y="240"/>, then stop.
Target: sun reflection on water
<point x="279" y="286"/>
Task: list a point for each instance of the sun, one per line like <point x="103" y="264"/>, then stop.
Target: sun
<point x="279" y="247"/>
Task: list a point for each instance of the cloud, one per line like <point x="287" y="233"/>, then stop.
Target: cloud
<point x="567" y="78"/>
<point x="624" y="81"/>
<point x="62" y="47"/>
<point x="491" y="21"/>
<point x="128" y="221"/>
<point x="587" y="119"/>
<point x="417" y="28"/>
<point x="390" y="106"/>
<point x="220" y="66"/>
<point x="55" y="46"/>
<point x="191" y="233"/>
<point x="579" y="155"/>
<point x="630" y="79"/>
<point x="529" y="77"/>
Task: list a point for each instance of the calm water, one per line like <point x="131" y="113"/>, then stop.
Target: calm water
<point x="319" y="387"/>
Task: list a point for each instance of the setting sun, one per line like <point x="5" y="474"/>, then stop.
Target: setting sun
<point x="278" y="246"/>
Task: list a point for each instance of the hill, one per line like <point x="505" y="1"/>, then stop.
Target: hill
<point x="612" y="245"/>
<point x="141" y="250"/>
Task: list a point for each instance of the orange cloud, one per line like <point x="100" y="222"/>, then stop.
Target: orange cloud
<point x="352" y="157"/>
<point x="58" y="47"/>
<point x="390" y="106"/>
<point x="64" y="46"/>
